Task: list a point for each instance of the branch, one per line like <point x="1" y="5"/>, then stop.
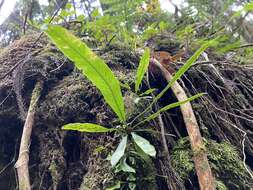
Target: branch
<point x="202" y="167"/>
<point x="244" y="46"/>
<point x="1" y="3"/>
<point x="161" y="125"/>
<point x="23" y="158"/>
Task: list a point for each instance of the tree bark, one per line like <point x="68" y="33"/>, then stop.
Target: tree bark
<point x="202" y="167"/>
<point x="23" y="158"/>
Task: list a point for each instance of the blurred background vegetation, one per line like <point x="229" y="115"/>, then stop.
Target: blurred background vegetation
<point x="136" y="21"/>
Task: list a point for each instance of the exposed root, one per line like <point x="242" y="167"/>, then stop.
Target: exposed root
<point x="23" y="158"/>
<point x="205" y="177"/>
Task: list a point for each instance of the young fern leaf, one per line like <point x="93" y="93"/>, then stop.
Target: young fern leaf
<point x="142" y="68"/>
<point x="125" y="167"/>
<point x="119" y="152"/>
<point x="144" y="145"/>
<point x="87" y="127"/>
<point x="93" y="67"/>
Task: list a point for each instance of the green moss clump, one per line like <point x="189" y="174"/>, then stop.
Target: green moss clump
<point x="181" y="158"/>
<point x="57" y="167"/>
<point x="118" y="55"/>
<point x="220" y="185"/>
<point x="99" y="177"/>
<point x="224" y="159"/>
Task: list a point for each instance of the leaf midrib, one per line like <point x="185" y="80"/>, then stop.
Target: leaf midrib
<point x="98" y="74"/>
<point x="140" y="71"/>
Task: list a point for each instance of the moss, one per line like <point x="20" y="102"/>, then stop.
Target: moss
<point x="54" y="173"/>
<point x="56" y="167"/>
<point x="220" y="185"/>
<point x="100" y="174"/>
<point x="120" y="55"/>
<point x="181" y="158"/>
<point x="165" y="42"/>
<point x="224" y="159"/>
<point x="72" y="99"/>
<point x="100" y="178"/>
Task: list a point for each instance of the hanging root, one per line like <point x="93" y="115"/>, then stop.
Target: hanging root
<point x="203" y="170"/>
<point x="23" y="158"/>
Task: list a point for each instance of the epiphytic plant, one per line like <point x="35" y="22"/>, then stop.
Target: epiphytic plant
<point x="96" y="70"/>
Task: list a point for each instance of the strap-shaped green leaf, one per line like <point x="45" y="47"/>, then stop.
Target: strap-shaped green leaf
<point x="170" y="106"/>
<point x="178" y="74"/>
<point x="184" y="68"/>
<point x="142" y="68"/>
<point x="91" y="65"/>
<point x="119" y="152"/>
<point x="144" y="144"/>
<point x="86" y="127"/>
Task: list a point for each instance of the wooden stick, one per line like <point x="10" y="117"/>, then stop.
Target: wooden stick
<point x="202" y="167"/>
<point x="23" y="158"/>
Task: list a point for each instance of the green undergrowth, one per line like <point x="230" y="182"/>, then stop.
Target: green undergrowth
<point x="224" y="159"/>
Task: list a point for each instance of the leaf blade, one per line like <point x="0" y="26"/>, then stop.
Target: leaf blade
<point x="119" y="152"/>
<point x="87" y="127"/>
<point x="144" y="144"/>
<point x="142" y="68"/>
<point x="91" y="65"/>
<point x="114" y="187"/>
<point x="147" y="92"/>
<point x="125" y="167"/>
<point x="184" y="68"/>
<point x="170" y="106"/>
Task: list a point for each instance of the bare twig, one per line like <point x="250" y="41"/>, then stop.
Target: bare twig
<point x="109" y="42"/>
<point x="11" y="162"/>
<point x="6" y="98"/>
<point x="229" y="113"/>
<point x="59" y="67"/>
<point x="244" y="134"/>
<point x="161" y="124"/>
